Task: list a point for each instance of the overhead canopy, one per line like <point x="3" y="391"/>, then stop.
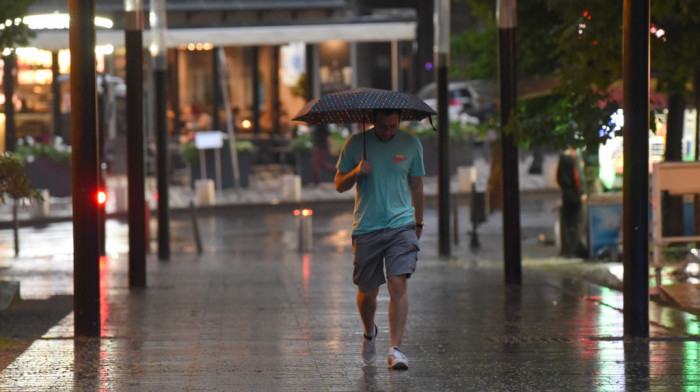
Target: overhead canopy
<point x="249" y="36"/>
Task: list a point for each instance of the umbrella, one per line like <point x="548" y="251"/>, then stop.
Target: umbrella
<point x="357" y="105"/>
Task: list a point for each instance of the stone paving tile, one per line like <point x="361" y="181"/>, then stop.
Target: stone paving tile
<point x="273" y="328"/>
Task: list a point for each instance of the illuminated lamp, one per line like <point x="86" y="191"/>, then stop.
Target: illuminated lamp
<point x="101" y="197"/>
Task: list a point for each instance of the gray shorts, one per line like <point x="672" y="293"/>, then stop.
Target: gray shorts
<point x="397" y="249"/>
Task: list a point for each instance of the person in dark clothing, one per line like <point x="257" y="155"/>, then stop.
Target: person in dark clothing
<point x="319" y="161"/>
<point x="569" y="180"/>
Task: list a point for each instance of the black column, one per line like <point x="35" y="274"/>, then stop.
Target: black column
<point x="8" y="82"/>
<point x="256" y="90"/>
<point x="161" y="128"/>
<point x="635" y="182"/>
<point x="56" y="100"/>
<point x="135" y="151"/>
<point x="509" y="150"/>
<point x="216" y="89"/>
<point x="443" y="157"/>
<point x="85" y="168"/>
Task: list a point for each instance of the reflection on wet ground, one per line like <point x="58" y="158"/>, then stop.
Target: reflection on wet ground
<point x="252" y="313"/>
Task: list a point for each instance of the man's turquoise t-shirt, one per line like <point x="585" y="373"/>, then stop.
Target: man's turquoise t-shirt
<point x="383" y="198"/>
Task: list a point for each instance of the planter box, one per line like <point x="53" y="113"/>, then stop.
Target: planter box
<point x="461" y="154"/>
<point x="304" y="168"/>
<point x="245" y="167"/>
<point x="47" y="174"/>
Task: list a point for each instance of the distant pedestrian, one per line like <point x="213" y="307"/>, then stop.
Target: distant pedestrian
<point x="569" y="180"/>
<point x="387" y="223"/>
<point x="319" y="161"/>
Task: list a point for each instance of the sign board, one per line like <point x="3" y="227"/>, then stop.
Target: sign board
<point x="677" y="178"/>
<point x="208" y="140"/>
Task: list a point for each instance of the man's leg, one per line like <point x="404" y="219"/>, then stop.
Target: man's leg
<point x="398" y="308"/>
<point x="367" y="305"/>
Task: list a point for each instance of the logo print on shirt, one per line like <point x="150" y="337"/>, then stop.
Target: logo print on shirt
<point x="398" y="158"/>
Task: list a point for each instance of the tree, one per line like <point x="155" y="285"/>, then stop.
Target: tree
<point x="580" y="43"/>
<point x="15" y="185"/>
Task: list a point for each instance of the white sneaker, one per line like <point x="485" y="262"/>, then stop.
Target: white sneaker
<point x="369" y="347"/>
<point x="396" y="359"/>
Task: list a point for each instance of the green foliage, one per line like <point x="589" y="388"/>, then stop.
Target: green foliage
<point x="580" y="43"/>
<point x="674" y="54"/>
<point x="17" y="33"/>
<point x="303" y="143"/>
<point x="299" y="90"/>
<point x="14" y="182"/>
<point x="58" y="153"/>
<point x="459" y="130"/>
<point x="480" y="48"/>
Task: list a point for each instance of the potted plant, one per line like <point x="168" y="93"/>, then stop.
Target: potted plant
<point x="47" y="165"/>
<point x="244" y="149"/>
<point x="15" y="184"/>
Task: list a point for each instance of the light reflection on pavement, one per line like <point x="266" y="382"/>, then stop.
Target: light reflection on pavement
<point x="252" y="313"/>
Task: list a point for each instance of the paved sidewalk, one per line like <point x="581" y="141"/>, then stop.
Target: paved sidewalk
<point x="253" y="314"/>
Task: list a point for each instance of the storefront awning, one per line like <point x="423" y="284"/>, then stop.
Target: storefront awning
<point x="249" y="36"/>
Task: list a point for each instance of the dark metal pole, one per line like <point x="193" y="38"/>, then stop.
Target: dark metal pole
<point x="310" y="71"/>
<point x="256" y="90"/>
<point x="162" y="164"/>
<point x="161" y="127"/>
<point x="442" y="60"/>
<point x="8" y="82"/>
<point x="509" y="150"/>
<point x="175" y="90"/>
<point x="85" y="164"/>
<point x="635" y="184"/>
<point x="56" y="92"/>
<point x="216" y="88"/>
<point x="133" y="39"/>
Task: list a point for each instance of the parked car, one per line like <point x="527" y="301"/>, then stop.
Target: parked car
<point x="464" y="98"/>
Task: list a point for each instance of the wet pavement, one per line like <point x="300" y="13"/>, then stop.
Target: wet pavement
<point x="252" y="313"/>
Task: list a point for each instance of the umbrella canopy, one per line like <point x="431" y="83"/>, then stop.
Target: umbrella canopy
<point x="357" y="105"/>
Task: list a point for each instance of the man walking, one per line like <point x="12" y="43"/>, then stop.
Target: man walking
<point x="387" y="223"/>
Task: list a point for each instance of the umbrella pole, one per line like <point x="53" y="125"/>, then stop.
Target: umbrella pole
<point x="364" y="143"/>
<point x="364" y="138"/>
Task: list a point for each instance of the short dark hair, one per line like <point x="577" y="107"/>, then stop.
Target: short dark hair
<point x="385" y="112"/>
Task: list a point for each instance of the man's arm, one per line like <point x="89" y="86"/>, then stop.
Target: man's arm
<point x="416" y="185"/>
<point x="345" y="181"/>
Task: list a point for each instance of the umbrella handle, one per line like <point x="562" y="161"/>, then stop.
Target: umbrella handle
<point x="364" y="139"/>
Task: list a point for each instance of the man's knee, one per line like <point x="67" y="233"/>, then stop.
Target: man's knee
<point x="371" y="293"/>
<point x="397" y="284"/>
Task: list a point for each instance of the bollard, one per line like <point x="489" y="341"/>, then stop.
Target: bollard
<point x="42" y="209"/>
<point x="195" y="228"/>
<point x="304" y="227"/>
<point x="206" y="195"/>
<point x="455" y="219"/>
<point x="479" y="214"/>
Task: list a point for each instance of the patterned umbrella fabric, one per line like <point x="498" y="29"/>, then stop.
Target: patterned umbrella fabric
<point x="356" y="106"/>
